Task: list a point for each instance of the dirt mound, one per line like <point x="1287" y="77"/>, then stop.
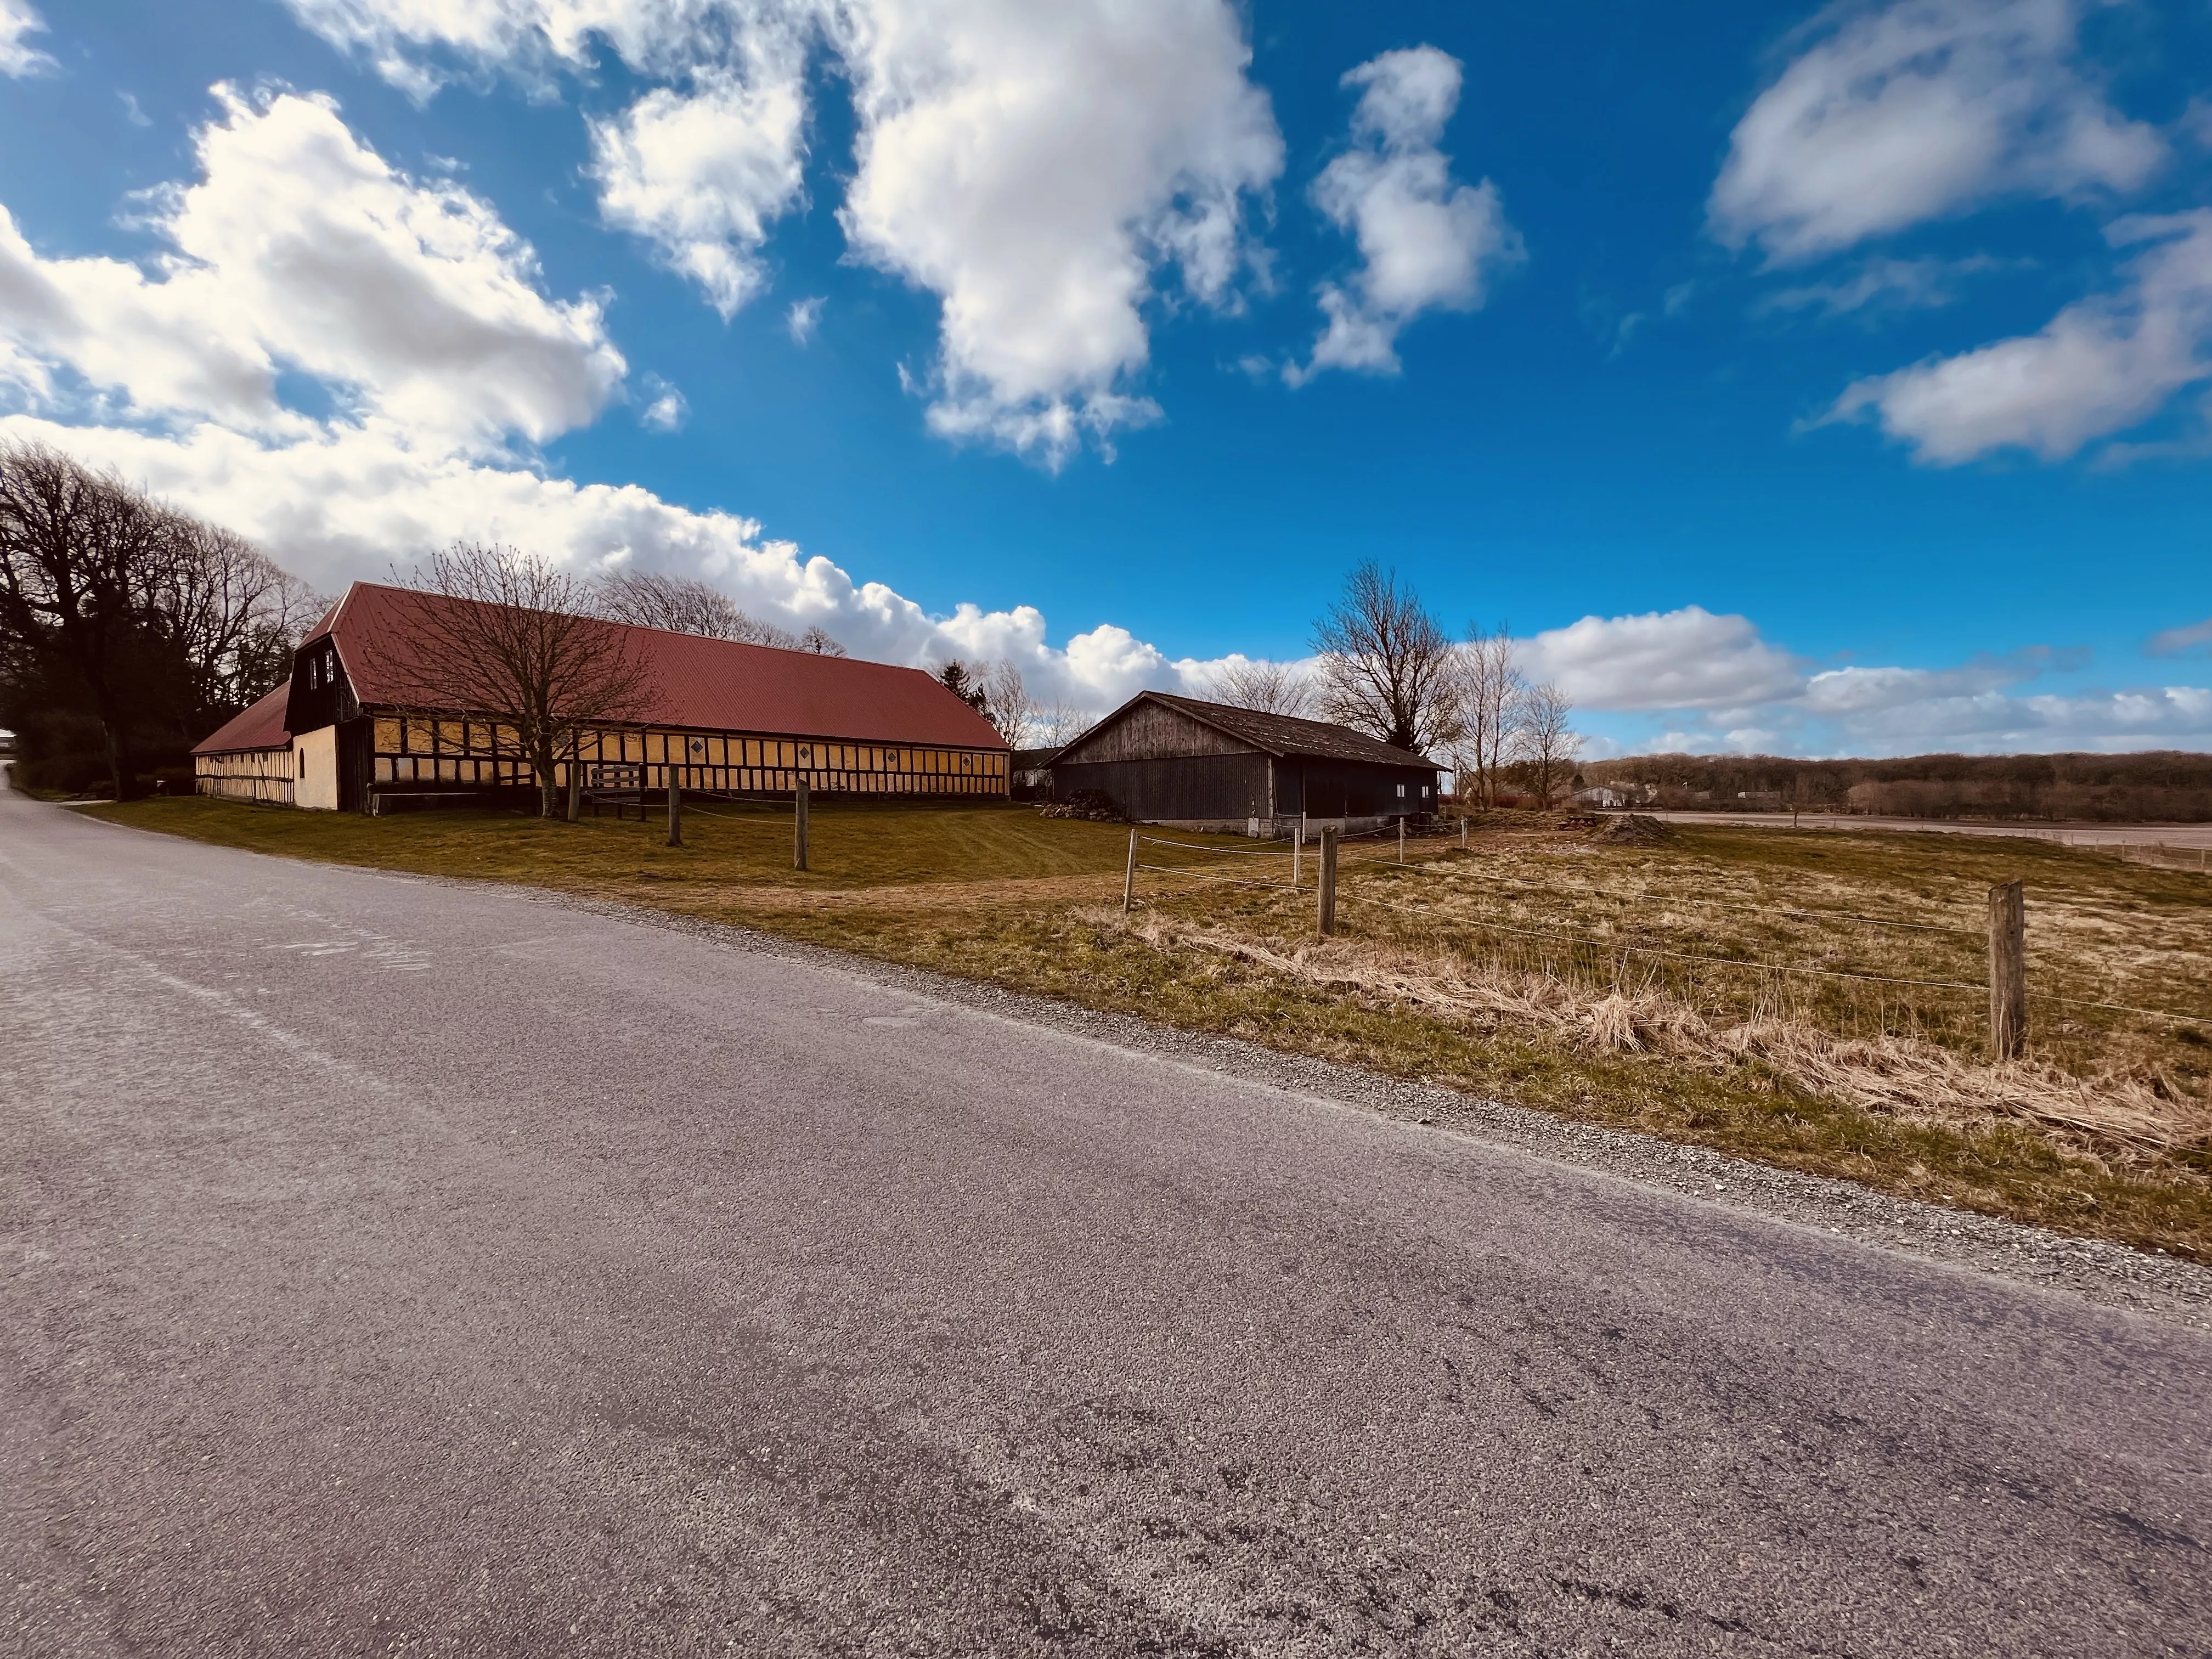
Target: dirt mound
<point x="1634" y="830"/>
<point x="1092" y="803"/>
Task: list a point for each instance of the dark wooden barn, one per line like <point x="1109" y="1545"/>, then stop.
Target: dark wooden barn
<point x="1171" y="760"/>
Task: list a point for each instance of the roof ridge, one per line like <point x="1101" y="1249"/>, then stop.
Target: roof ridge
<point x="636" y="628"/>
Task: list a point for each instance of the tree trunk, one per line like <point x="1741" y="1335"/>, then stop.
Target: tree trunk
<point x="119" y="770"/>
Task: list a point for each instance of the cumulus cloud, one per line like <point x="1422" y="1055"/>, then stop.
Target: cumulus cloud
<point x="2177" y="716"/>
<point x="1976" y="707"/>
<point x="442" y="354"/>
<point x="1917" y="111"/>
<point x="701" y="174"/>
<point x="1428" y="242"/>
<point x="300" y="248"/>
<point x="17" y="19"/>
<point x="1685" y="658"/>
<point x="2101" y="365"/>
<point x="1039" y="168"/>
<point x="1035" y="168"/>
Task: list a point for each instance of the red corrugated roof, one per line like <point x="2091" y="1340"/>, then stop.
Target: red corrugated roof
<point x="261" y="726"/>
<point x="716" y="685"/>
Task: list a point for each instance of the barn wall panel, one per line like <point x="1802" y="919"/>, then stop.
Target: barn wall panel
<point x="1226" y="786"/>
<point x="1152" y="730"/>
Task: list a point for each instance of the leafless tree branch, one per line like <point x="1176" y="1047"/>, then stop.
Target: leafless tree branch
<point x="519" y="646"/>
<point x="1386" y="667"/>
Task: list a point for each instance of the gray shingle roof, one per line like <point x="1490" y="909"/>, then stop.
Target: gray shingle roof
<point x="1285" y="734"/>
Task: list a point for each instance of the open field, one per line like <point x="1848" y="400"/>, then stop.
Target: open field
<point x="1453" y="969"/>
<point x="2189" y="838"/>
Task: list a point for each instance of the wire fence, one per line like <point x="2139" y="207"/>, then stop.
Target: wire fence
<point x="1619" y="953"/>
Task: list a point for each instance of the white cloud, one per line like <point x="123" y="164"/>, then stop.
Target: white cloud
<point x="1036" y="167"/>
<point x="2101" y="365"/>
<point x="1685" y="658"/>
<point x="803" y="319"/>
<point x="666" y="408"/>
<point x="1917" y="111"/>
<point x="17" y="19"/>
<point x="1851" y="691"/>
<point x="1973" y="709"/>
<point x="417" y="44"/>
<point x="702" y="174"/>
<point x="1428" y="242"/>
<point x="1990" y="722"/>
<point x="299" y="248"/>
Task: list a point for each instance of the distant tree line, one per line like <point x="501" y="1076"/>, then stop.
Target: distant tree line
<point x="2164" y="785"/>
<point x="129" y="630"/>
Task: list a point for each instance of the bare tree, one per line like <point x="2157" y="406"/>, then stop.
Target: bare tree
<point x="683" y="604"/>
<point x="233" y="617"/>
<point x="510" y="638"/>
<point x="1542" y="741"/>
<point x="79" y="553"/>
<point x="1059" y="724"/>
<point x="1490" y="688"/>
<point x="1007" y="704"/>
<point x="1271" y="688"/>
<point x="1386" y="668"/>
<point x="113" y="606"/>
<point x="816" y="640"/>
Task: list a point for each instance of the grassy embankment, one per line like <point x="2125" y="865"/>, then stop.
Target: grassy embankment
<point x="2103" y="1133"/>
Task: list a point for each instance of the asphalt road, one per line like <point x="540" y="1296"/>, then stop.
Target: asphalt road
<point x="399" y="1267"/>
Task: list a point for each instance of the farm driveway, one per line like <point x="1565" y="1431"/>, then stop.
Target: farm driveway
<point x="398" y="1267"/>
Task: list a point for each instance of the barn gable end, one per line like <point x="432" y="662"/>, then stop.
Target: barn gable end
<point x="1165" y="759"/>
<point x="1151" y="729"/>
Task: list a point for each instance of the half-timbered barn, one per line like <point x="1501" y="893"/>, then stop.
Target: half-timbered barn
<point x="1195" y="765"/>
<point x="350" y="731"/>
<point x="253" y="757"/>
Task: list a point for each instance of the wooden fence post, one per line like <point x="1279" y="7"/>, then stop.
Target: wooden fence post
<point x="1326" y="911"/>
<point x="1129" y="875"/>
<point x="575" y="789"/>
<point x="2008" y="971"/>
<point x="1462" y="835"/>
<point x="799" y="829"/>
<point x="675" y="810"/>
<point x="1298" y="852"/>
<point x="1402" y="841"/>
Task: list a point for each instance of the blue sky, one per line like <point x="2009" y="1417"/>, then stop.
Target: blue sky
<point x="1811" y="380"/>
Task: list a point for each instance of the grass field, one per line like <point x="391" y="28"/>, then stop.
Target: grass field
<point x="1451" y="969"/>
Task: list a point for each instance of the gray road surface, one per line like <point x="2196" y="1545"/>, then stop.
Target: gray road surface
<point x="398" y="1267"/>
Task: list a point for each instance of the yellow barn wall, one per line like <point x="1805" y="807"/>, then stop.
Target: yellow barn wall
<point x="317" y="755"/>
<point x="414" y="750"/>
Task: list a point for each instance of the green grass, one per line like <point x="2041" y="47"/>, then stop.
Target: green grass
<point x="850" y="847"/>
<point x="999" y="894"/>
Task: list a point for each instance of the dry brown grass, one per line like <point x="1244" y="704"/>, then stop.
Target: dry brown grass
<point x="2115" y="1118"/>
